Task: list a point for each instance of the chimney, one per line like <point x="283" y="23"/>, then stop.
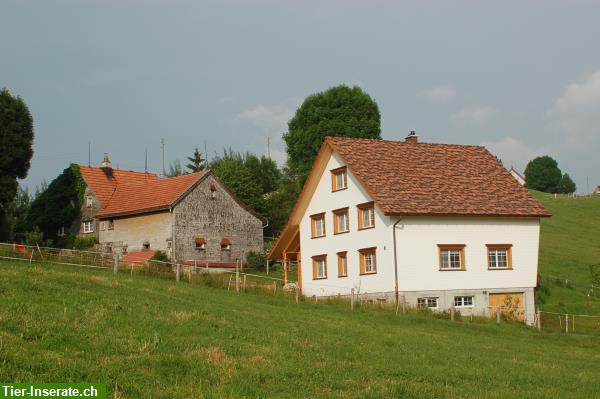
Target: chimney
<point x="106" y="162"/>
<point x="412" y="137"/>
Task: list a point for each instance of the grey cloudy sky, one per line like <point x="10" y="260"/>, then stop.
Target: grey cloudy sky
<point x="522" y="78"/>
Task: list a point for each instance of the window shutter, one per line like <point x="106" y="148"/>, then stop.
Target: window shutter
<point x="362" y="263"/>
<point x="314" y="264"/>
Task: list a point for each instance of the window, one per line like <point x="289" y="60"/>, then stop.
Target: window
<point x="366" y="215"/>
<point x="213" y="192"/>
<point x="431" y="303"/>
<point x="341" y="223"/>
<point x="146" y="245"/>
<point x="463" y="301"/>
<point x="339" y="179"/>
<point x="342" y="264"/>
<point x="89" y="201"/>
<point x="61" y="231"/>
<point x="452" y="256"/>
<point x="200" y="243"/>
<point x="499" y="256"/>
<point x="317" y="225"/>
<point x="368" y="260"/>
<point x="225" y="244"/>
<point x="319" y="267"/>
<point x="88" y="227"/>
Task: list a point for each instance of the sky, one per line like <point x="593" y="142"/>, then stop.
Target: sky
<point x="520" y="77"/>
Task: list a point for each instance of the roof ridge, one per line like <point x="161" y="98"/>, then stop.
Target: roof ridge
<point x="400" y="142"/>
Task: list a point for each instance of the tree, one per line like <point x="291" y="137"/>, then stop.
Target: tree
<point x="339" y="111"/>
<point x="566" y="185"/>
<point x="196" y="163"/>
<point x="543" y="174"/>
<point x="175" y="169"/>
<point x="16" y="140"/>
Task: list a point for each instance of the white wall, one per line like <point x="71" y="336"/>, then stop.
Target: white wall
<point x="418" y="262"/>
<point x="324" y="200"/>
<point x="417" y="240"/>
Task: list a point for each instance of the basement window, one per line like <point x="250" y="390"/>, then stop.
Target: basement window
<point x="225" y="244"/>
<point x="430" y="303"/>
<point x="463" y="301"/>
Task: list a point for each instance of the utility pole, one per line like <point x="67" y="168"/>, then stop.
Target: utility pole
<point x="162" y="151"/>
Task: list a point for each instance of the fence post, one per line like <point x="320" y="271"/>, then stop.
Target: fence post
<point x="539" y="320"/>
<point x="567" y="323"/>
<point x="116" y="267"/>
<point x="297" y="293"/>
<point x="274" y="286"/>
<point x="229" y="284"/>
<point x="351" y="298"/>
<point x="403" y="305"/>
<point x="452" y="312"/>
<point x="177" y="271"/>
<point x="498" y="314"/>
<point x="244" y="283"/>
<point x="237" y="277"/>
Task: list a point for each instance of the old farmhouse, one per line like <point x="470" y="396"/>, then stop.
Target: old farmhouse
<point x="430" y="225"/>
<point x="193" y="218"/>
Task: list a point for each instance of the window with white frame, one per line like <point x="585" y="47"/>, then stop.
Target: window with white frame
<point x="341" y="222"/>
<point x="452" y="257"/>
<point x="366" y="215"/>
<point x="88" y="226"/>
<point x="319" y="267"/>
<point x="339" y="179"/>
<point x="430" y="302"/>
<point x="368" y="260"/>
<point x="89" y="201"/>
<point x="61" y="231"/>
<point x="318" y="225"/>
<point x="463" y="301"/>
<point x="499" y="256"/>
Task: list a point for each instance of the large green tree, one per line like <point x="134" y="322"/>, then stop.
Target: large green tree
<point x="16" y="150"/>
<point x="543" y="174"/>
<point x="338" y="111"/>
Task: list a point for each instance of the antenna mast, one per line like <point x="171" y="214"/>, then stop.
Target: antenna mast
<point x="89" y="154"/>
<point x="205" y="155"/>
<point x="146" y="161"/>
<point x="162" y="151"/>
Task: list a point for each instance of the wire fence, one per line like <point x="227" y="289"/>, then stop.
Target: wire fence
<point x="246" y="281"/>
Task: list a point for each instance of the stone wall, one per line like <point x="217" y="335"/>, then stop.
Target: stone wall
<point x="134" y="231"/>
<point x="201" y="215"/>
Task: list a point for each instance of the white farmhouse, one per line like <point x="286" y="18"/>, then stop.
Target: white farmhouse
<point x="431" y="225"/>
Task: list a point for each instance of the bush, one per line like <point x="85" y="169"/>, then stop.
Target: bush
<point x="160" y="256"/>
<point x="84" y="243"/>
<point x="36" y="237"/>
<point x="255" y="260"/>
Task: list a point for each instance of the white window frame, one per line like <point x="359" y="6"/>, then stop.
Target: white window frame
<point x="428" y="302"/>
<point x="225" y="247"/>
<point x="61" y="231"/>
<point x="321" y="268"/>
<point x="89" y="201"/>
<point x="341" y="180"/>
<point x="368" y="217"/>
<point x="88" y="226"/>
<point x="462" y="301"/>
<point x="370" y="260"/>
<point x="494" y="258"/>
<point x="339" y="216"/>
<point x="448" y="262"/>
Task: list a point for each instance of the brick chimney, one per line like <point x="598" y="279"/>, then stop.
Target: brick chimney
<point x="412" y="137"/>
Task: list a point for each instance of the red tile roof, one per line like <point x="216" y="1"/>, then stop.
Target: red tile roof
<point x="104" y="182"/>
<point x="132" y="258"/>
<point x="146" y="196"/>
<point x="435" y="179"/>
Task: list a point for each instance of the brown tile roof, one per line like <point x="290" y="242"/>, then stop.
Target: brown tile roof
<point x="104" y="184"/>
<point x="146" y="196"/>
<point x="435" y="179"/>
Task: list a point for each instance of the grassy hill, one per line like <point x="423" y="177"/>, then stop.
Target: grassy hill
<point x="153" y="338"/>
<point x="569" y="243"/>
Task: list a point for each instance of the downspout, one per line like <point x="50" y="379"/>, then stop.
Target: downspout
<point x="396" y="261"/>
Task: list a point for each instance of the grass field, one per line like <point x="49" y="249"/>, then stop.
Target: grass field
<point x="153" y="338"/>
<point x="569" y="243"/>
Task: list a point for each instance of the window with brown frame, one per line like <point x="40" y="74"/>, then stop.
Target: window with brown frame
<point x="319" y="264"/>
<point x="452" y="256"/>
<point x="368" y="260"/>
<point x="341" y="222"/>
<point x="342" y="264"/>
<point x="499" y="256"/>
<point x="366" y="215"/>
<point x="339" y="179"/>
<point x="317" y="225"/>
